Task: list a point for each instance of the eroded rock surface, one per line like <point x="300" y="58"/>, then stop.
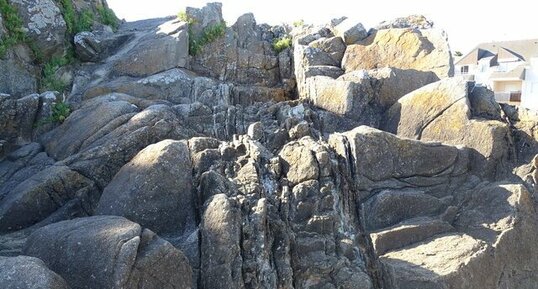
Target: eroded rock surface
<point x="349" y="160"/>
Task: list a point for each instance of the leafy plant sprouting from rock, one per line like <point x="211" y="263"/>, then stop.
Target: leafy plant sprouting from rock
<point x="281" y="43"/>
<point x="298" y="23"/>
<point x="60" y="111"/>
<point x="13" y="25"/>
<point x="183" y="16"/>
<point x="209" y="34"/>
<point x="50" y="80"/>
<point x="75" y="23"/>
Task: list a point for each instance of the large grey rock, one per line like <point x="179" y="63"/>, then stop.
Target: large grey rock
<point x="166" y="49"/>
<point x="220" y="248"/>
<point x="24" y="272"/>
<point x="154" y="189"/>
<point x="423" y="50"/>
<point x="209" y="15"/>
<point x="382" y="160"/>
<point x="17" y="78"/>
<point x="18" y="118"/>
<point x="109" y="252"/>
<point x="87" y="46"/>
<point x="482" y="254"/>
<point x="441" y="111"/>
<point x="334" y="46"/>
<point x="85" y="125"/>
<point x="119" y="141"/>
<point x="351" y="32"/>
<point x="44" y="23"/>
<point x="391" y="84"/>
<point x="44" y="194"/>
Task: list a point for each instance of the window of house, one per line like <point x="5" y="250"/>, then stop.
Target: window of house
<point x="464" y="69"/>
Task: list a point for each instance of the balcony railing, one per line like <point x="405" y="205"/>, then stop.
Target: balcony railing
<point x="512" y="96"/>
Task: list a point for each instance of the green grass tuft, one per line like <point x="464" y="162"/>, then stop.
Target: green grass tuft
<point x="209" y="34"/>
<point x="298" y="23"/>
<point x="281" y="43"/>
<point x="49" y="80"/>
<point x="108" y="17"/>
<point x="13" y="24"/>
<point x="60" y="111"/>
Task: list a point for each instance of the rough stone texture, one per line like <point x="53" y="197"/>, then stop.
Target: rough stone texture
<point x="351" y="32"/>
<point x="423" y="50"/>
<point x="442" y="111"/>
<point x="28" y="273"/>
<point x="167" y="48"/>
<point x="393" y="83"/>
<point x="109" y="252"/>
<point x="334" y="46"/>
<point x="491" y="220"/>
<point x="44" y="194"/>
<point x="411" y="21"/>
<point x="18" y="118"/>
<point x="153" y="189"/>
<point x="44" y="23"/>
<point x="220" y="233"/>
<point x="17" y="78"/>
<point x="258" y="191"/>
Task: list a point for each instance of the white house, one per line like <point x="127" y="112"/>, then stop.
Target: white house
<point x="509" y="68"/>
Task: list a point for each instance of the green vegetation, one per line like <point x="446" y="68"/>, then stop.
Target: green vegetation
<point x="49" y="80"/>
<point x="75" y="23"/>
<point x="209" y="34"/>
<point x="13" y="24"/>
<point x="298" y="23"/>
<point x="281" y="43"/>
<point x="60" y="111"/>
<point x="458" y="53"/>
<point x="108" y="17"/>
<point x="182" y="15"/>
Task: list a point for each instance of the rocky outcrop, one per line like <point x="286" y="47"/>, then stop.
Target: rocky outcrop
<point x="153" y="189"/>
<point x="191" y="167"/>
<point x="423" y="50"/>
<point x="168" y="48"/>
<point x="108" y="252"/>
<point x="28" y="272"/>
<point x="424" y="114"/>
<point x="44" y="23"/>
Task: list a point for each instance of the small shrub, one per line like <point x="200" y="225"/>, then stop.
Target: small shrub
<point x="85" y="21"/>
<point x="69" y="14"/>
<point x="298" y="23"/>
<point x="458" y="53"/>
<point x="281" y="43"/>
<point x="108" y="17"/>
<point x="49" y="80"/>
<point x="182" y="15"/>
<point x="209" y="34"/>
<point x="60" y="111"/>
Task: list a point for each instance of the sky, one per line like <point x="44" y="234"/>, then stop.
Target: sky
<point x="467" y="22"/>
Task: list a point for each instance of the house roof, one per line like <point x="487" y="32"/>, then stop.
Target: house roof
<point x="518" y="49"/>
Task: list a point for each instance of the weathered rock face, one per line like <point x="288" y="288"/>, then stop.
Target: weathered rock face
<point x="17" y="78"/>
<point x="248" y="189"/>
<point x="243" y="55"/>
<point x="154" y="189"/>
<point x="411" y="21"/>
<point x="442" y="111"/>
<point x="423" y="50"/>
<point x="109" y="252"/>
<point x="45" y="24"/>
<point x="28" y="272"/>
<point x="168" y="48"/>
